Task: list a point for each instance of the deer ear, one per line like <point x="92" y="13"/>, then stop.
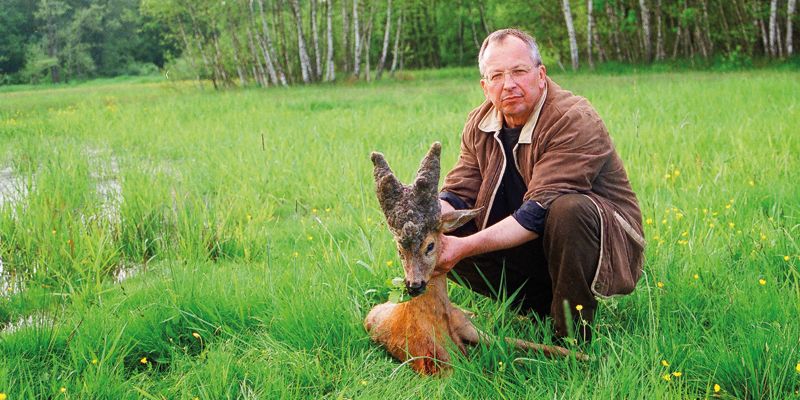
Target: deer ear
<point x="452" y="220"/>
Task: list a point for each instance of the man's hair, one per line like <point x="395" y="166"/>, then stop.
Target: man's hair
<point x="502" y="34"/>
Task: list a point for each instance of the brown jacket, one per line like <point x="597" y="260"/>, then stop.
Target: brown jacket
<point x="563" y="148"/>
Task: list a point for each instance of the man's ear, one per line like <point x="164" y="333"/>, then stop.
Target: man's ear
<point x="452" y="220"/>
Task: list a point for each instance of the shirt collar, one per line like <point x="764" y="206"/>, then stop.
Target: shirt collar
<point x="493" y="120"/>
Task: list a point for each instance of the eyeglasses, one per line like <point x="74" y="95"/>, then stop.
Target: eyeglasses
<point x="498" y="77"/>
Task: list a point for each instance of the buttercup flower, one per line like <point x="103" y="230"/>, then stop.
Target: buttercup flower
<point x="762" y="281"/>
<point x="665" y="363"/>
<point x="667" y="377"/>
<point x="660" y="284"/>
<point x="143" y="360"/>
<point x="717" y="388"/>
<point x="579" y="307"/>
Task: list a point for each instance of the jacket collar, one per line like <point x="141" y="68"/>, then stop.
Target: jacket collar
<point x="492" y="122"/>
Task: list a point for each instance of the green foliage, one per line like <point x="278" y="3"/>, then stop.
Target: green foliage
<point x="257" y="246"/>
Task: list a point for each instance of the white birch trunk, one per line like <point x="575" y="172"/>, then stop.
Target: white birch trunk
<point x="648" y="48"/>
<point x="790" y="7"/>
<point x="573" y="42"/>
<point x="589" y="32"/>
<point x="276" y="75"/>
<point x="305" y="62"/>
<point x="773" y="19"/>
<point x="386" y="32"/>
<point x="396" y="50"/>
<point x="357" y="40"/>
<point x="367" y="42"/>
<point x="345" y="37"/>
<point x="659" y="33"/>
<point x="315" y="40"/>
<point x="330" y="73"/>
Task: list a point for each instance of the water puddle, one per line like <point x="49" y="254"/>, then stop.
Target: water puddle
<point x="104" y="171"/>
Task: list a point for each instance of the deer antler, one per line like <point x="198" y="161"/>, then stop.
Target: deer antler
<point x="388" y="189"/>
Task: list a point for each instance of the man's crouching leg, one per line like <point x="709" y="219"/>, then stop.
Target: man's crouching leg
<point x="571" y="244"/>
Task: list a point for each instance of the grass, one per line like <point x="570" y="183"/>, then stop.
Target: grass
<point x="250" y="221"/>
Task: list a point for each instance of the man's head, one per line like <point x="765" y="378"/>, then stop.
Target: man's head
<point x="513" y="76"/>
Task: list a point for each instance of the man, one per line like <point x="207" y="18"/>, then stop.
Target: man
<point x="559" y="223"/>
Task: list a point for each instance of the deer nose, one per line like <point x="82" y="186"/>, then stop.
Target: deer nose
<point x="415" y="288"/>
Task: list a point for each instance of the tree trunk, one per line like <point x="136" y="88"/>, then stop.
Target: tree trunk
<point x="357" y="40"/>
<point x="315" y="40"/>
<point x="773" y="20"/>
<point x="330" y="73"/>
<point x="345" y="37"/>
<point x="240" y="67"/>
<point x="789" y="14"/>
<point x="396" y="50"/>
<point x="261" y="76"/>
<point x="367" y="42"/>
<point x="276" y="74"/>
<point x="648" y="48"/>
<point x="305" y="63"/>
<point x="589" y="32"/>
<point x="386" y="32"/>
<point x="460" y="32"/>
<point x="573" y="42"/>
<point x="218" y="58"/>
<point x="284" y="42"/>
<point x="660" y="32"/>
<point x="612" y="19"/>
<point x="483" y="18"/>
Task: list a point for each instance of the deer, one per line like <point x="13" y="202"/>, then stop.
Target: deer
<point x="421" y="331"/>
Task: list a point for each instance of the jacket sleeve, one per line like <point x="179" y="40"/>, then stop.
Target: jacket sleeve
<point x="462" y="182"/>
<point x="578" y="147"/>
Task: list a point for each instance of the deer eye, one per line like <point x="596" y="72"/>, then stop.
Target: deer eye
<point x="429" y="249"/>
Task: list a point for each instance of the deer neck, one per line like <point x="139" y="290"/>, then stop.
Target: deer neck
<point x="435" y="296"/>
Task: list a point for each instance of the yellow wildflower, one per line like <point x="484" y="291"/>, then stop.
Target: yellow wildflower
<point x="667" y="377"/>
<point x="364" y="383"/>
<point x="143" y="360"/>
<point x="660" y="284"/>
<point x="665" y="363"/>
<point x="731" y="225"/>
<point x="678" y="215"/>
<point x="296" y="254"/>
<point x="664" y="221"/>
<point x="62" y="390"/>
<point x="389" y="263"/>
<point x="54" y="231"/>
<point x="667" y="176"/>
<point x="685" y="233"/>
<point x="649" y="221"/>
<point x="579" y="307"/>
<point x="727" y="206"/>
<point x="711" y="225"/>
<point x="797" y="368"/>
<point x="752" y="182"/>
<point x="676" y="173"/>
<point x="695" y="276"/>
<point x="763" y="237"/>
<point x="196" y="335"/>
<point x="328" y="209"/>
<point x="313" y="210"/>
<point x="677" y="374"/>
<point x="3" y="396"/>
<point x="94" y="361"/>
<point x="310" y="237"/>
<point x="762" y="281"/>
<point x="786" y="258"/>
<point x="716" y="386"/>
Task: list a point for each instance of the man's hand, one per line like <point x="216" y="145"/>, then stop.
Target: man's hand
<point x="452" y="249"/>
<point x="502" y="235"/>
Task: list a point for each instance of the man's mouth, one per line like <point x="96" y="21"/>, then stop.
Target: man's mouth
<point x="512" y="97"/>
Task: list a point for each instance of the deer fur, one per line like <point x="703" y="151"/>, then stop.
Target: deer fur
<point x="422" y="330"/>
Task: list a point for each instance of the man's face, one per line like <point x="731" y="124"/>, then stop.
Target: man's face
<point x="512" y="81"/>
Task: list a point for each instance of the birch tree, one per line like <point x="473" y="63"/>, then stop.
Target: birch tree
<point x="305" y="62"/>
<point x="790" y="7"/>
<point x="646" y="29"/>
<point x="589" y="32"/>
<point x="773" y="29"/>
<point x="386" y="32"/>
<point x="573" y="42"/>
<point x="396" y="48"/>
<point x="330" y="74"/>
<point x="315" y="41"/>
<point x="357" y="40"/>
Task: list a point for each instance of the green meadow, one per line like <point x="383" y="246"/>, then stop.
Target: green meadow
<point x="162" y="241"/>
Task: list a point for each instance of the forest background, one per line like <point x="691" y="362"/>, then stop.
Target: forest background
<point x="284" y="42"/>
